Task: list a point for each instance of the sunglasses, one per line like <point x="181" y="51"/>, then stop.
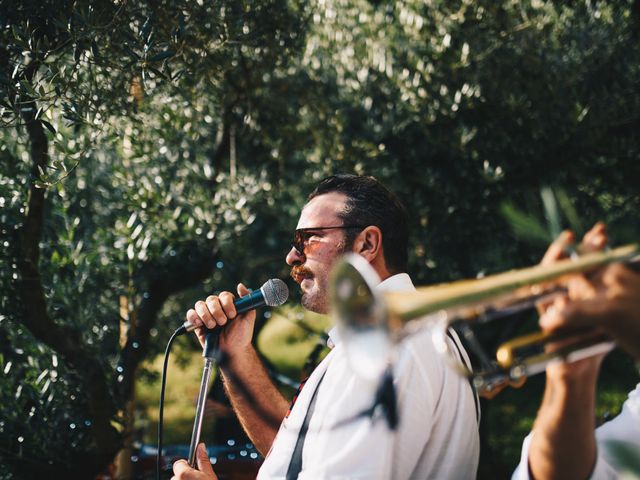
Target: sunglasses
<point x="302" y="235"/>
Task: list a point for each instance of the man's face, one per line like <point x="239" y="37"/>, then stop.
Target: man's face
<point x="311" y="267"/>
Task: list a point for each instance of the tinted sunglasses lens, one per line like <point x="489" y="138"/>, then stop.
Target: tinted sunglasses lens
<point x="298" y="242"/>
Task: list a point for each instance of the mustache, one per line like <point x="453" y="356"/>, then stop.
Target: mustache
<point x="300" y="272"/>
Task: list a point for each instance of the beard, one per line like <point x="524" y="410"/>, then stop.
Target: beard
<point x="314" y="299"/>
<point x="317" y="298"/>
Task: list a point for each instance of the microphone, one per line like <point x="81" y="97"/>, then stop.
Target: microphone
<point x="273" y="293"/>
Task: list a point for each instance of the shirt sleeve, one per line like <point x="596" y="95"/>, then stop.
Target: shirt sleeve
<point x="522" y="470"/>
<point x="602" y="470"/>
<point x="621" y="433"/>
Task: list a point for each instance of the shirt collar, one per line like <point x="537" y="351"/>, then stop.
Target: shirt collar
<point x="400" y="282"/>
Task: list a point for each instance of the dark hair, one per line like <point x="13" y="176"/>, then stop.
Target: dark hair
<point x="371" y="203"/>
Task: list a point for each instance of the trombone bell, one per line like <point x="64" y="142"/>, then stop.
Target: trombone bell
<point x="361" y="315"/>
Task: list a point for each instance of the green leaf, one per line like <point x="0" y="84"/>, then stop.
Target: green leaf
<point x="48" y="125"/>
<point x="146" y="27"/>
<point x="162" y="55"/>
<point x="524" y="226"/>
<point x="551" y="211"/>
<point x="29" y="88"/>
<point x="626" y="455"/>
<point x="157" y="72"/>
<point x="131" y="52"/>
<point x="568" y="210"/>
<point x="94" y="49"/>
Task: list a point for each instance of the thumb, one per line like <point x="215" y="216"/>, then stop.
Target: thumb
<point x="248" y="317"/>
<point x="204" y="465"/>
<point x="243" y="290"/>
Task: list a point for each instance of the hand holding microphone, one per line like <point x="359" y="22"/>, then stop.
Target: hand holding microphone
<point x="218" y="310"/>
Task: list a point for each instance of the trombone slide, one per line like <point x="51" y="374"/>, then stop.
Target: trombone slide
<point x="469" y="297"/>
<point x="362" y="313"/>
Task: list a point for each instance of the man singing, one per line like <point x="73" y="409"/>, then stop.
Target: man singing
<point x="437" y="433"/>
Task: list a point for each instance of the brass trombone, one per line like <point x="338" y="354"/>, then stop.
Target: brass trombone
<point x="371" y="322"/>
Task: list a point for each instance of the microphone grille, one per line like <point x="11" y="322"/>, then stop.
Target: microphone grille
<point x="275" y="292"/>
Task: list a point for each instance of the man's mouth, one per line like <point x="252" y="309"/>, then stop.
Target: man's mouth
<point x="300" y="273"/>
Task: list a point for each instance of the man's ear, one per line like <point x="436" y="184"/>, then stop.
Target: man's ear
<point x="368" y="243"/>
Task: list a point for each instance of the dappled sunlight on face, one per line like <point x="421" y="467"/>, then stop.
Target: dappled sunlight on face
<point x="311" y="270"/>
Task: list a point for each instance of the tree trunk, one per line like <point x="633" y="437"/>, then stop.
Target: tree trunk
<point x="67" y="342"/>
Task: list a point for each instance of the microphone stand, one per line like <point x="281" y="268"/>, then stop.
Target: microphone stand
<point x="211" y="354"/>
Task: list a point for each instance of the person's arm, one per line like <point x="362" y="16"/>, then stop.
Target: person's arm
<point x="564" y="428"/>
<point x="563" y="443"/>
<point x="258" y="403"/>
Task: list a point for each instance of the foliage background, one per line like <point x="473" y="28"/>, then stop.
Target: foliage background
<point x="154" y="151"/>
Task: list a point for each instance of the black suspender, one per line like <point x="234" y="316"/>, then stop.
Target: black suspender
<point x="295" y="466"/>
<point x="453" y="337"/>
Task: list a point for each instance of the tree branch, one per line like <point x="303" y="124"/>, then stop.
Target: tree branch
<point x="188" y="270"/>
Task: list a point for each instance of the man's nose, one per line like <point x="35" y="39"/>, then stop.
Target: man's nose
<point x="294" y="257"/>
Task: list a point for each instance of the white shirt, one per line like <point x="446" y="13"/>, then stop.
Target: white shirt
<point x="437" y="435"/>
<point x="624" y="428"/>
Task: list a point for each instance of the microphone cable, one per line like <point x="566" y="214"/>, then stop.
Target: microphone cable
<point x="175" y="334"/>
